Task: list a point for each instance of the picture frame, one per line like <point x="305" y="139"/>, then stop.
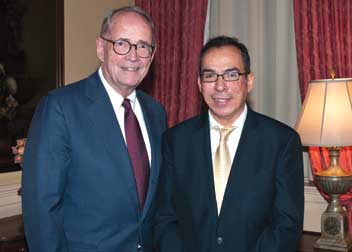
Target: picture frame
<point x="31" y="64"/>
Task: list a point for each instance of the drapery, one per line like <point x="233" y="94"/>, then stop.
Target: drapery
<point x="179" y="36"/>
<point x="267" y="29"/>
<point x="323" y="31"/>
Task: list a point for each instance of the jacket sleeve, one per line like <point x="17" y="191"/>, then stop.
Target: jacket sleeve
<point x="166" y="234"/>
<point x="285" y="231"/>
<point x="44" y="176"/>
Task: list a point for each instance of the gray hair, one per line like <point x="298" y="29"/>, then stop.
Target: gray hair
<point x="105" y="26"/>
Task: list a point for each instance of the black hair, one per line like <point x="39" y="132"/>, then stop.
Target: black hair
<point x="221" y="41"/>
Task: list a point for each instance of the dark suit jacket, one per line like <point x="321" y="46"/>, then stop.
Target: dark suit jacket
<point x="78" y="186"/>
<point x="262" y="209"/>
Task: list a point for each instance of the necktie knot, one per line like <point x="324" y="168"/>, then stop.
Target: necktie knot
<point x="126" y="104"/>
<point x="224" y="132"/>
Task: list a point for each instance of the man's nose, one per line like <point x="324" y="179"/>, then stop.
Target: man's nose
<point x="132" y="54"/>
<point x="220" y="84"/>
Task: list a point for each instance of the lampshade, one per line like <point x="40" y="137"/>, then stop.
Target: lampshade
<point x="326" y="116"/>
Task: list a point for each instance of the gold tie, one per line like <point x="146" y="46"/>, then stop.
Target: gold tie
<point x="222" y="165"/>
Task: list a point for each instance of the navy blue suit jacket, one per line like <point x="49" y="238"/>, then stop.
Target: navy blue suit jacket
<point x="262" y="209"/>
<point x="78" y="186"/>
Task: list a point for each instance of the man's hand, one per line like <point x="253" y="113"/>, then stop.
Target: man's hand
<point x="18" y="150"/>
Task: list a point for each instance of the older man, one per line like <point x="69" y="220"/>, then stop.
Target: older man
<point x="93" y="151"/>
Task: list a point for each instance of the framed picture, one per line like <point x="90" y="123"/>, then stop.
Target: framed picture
<point x="31" y="64"/>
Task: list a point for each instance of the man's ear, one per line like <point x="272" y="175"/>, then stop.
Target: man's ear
<point x="199" y="85"/>
<point x="100" y="48"/>
<point x="152" y="57"/>
<point x="250" y="82"/>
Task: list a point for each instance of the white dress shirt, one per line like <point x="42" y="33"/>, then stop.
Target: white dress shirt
<point x="233" y="139"/>
<point x="116" y="100"/>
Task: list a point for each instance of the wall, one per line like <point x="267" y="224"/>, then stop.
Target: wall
<point x="10" y="202"/>
<point x="82" y="24"/>
<point x="32" y="64"/>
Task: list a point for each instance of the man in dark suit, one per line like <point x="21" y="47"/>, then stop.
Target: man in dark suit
<point x="231" y="178"/>
<point x="93" y="151"/>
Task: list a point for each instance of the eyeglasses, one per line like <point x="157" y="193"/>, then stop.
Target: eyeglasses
<point x="123" y="47"/>
<point x="209" y="77"/>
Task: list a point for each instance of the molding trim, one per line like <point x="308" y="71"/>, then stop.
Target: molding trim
<point x="10" y="202"/>
<point x="314" y="206"/>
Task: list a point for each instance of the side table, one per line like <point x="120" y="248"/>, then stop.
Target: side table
<point x="12" y="234"/>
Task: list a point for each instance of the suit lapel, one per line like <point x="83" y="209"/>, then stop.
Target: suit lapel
<point x="155" y="150"/>
<point x="203" y="159"/>
<point x="242" y="169"/>
<point x="104" y="122"/>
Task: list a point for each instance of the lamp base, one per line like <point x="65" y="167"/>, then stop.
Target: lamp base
<point x="334" y="232"/>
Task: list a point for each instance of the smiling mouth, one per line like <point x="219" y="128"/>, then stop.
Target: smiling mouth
<point x="221" y="100"/>
<point x="130" y="69"/>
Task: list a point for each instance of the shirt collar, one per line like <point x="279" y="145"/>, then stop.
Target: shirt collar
<point x="238" y="124"/>
<point x="114" y="95"/>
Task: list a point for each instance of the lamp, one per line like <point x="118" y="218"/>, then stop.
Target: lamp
<point x="326" y="121"/>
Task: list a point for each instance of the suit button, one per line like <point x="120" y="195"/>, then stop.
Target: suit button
<point x="219" y="240"/>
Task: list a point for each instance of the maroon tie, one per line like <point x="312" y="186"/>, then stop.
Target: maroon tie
<point x="137" y="151"/>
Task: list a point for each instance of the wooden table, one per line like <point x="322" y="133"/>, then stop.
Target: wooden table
<point x="12" y="235"/>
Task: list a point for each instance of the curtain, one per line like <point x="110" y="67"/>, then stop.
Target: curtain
<point x="267" y="28"/>
<point x="323" y="31"/>
<point x="179" y="36"/>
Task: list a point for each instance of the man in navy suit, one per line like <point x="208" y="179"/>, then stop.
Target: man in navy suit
<point x="80" y="190"/>
<point x="242" y="192"/>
